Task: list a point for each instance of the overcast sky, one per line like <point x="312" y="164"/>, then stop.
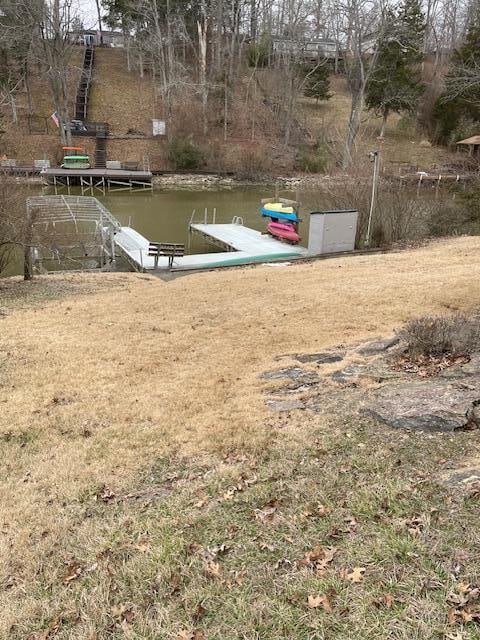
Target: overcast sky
<point x="88" y="12"/>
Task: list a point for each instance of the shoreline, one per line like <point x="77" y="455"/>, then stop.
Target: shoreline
<point x="207" y="181"/>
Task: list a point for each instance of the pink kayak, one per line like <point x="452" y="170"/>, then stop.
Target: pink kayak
<point x="283" y="231"/>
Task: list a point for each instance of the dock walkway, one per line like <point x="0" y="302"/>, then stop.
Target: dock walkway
<point x="242" y="246"/>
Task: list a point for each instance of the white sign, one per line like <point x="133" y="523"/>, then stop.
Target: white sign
<point x="158" y="127"/>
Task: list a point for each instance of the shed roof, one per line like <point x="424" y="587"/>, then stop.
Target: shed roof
<point x="472" y="140"/>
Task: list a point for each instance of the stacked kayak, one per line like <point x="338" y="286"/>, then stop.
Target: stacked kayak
<point x="283" y="223"/>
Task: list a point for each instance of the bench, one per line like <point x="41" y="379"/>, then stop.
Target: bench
<point x="168" y="249"/>
<point x="41" y="164"/>
<point x="114" y="164"/>
<point x="8" y="163"/>
<point x="130" y="165"/>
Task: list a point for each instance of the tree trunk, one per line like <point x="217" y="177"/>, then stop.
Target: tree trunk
<point x="353" y="127"/>
<point x="219" y="38"/>
<point x="202" y="45"/>
<point x="127" y="49"/>
<point x="99" y="14"/>
<point x="27" y="89"/>
<point x="384" y="123"/>
<point x="13" y="106"/>
<point x="27" y="247"/>
<point x="253" y="20"/>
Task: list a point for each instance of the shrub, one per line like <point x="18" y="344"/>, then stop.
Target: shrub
<point x="317" y="82"/>
<point x="252" y="162"/>
<point x="313" y="160"/>
<point x="258" y="53"/>
<point x="185" y="154"/>
<point x="436" y="336"/>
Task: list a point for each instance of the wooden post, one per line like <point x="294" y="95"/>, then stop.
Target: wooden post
<point x="27" y="245"/>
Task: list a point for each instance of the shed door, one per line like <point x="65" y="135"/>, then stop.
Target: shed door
<point x="339" y="232"/>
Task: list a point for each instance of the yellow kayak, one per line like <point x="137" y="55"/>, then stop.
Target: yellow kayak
<point x="279" y="211"/>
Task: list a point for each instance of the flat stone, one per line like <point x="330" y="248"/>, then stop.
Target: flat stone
<point x="377" y="346"/>
<point x="297" y="377"/>
<point x="462" y="477"/>
<point x="434" y="405"/>
<point x="285" y="405"/>
<point x="472" y="367"/>
<point x="290" y="373"/>
<point x="349" y="375"/>
<point x="319" y="358"/>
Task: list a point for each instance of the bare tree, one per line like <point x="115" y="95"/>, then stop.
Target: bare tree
<point x="363" y="24"/>
<point x="202" y="26"/>
<point x="99" y="15"/>
<point x="13" y="224"/>
<point x="56" y="52"/>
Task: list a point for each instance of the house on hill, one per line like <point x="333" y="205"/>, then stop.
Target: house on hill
<point x="309" y="50"/>
<point x="92" y="37"/>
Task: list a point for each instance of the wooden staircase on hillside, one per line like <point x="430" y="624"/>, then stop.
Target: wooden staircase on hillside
<point x="98" y="130"/>
<point x="81" y="101"/>
<point x="101" y="134"/>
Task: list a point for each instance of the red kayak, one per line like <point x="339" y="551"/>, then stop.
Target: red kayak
<point x="283" y="231"/>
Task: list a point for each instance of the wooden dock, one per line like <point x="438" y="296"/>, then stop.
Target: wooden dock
<point x="98" y="178"/>
<point x="242" y="246"/>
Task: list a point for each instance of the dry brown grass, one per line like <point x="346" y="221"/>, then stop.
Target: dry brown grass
<point x="95" y="389"/>
<point x="122" y="99"/>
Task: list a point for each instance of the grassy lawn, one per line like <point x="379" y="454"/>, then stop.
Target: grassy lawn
<point x="148" y="493"/>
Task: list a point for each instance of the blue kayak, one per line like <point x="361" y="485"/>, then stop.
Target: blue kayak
<point x="279" y="215"/>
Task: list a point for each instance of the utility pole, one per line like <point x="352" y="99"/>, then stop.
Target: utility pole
<point x="375" y="158"/>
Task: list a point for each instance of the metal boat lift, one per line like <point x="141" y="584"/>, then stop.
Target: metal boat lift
<point x="71" y="232"/>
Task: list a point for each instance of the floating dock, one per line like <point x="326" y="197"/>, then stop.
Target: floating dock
<point x="242" y="246"/>
<point x="97" y="178"/>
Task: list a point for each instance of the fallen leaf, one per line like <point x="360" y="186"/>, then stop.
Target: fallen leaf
<point x="213" y="570"/>
<point x="388" y="600"/>
<point x="74" y="571"/>
<point x="319" y="601"/>
<point x="466" y="616"/>
<point x="315" y="554"/>
<point x="319" y="556"/>
<point x="199" y="612"/>
<point x="356" y="575"/>
<point x="452" y="616"/>
<point x="196" y="634"/>
<point x="129" y="616"/>
<point x="266" y="513"/>
<point x="117" y="610"/>
<point x="49" y="632"/>
<point x="106" y="494"/>
<point x="213" y="552"/>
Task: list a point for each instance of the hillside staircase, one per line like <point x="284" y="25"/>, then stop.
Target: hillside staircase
<point x="101" y="147"/>
<point x="81" y="101"/>
<point x="97" y="130"/>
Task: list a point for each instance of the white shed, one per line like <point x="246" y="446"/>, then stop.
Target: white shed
<point x="332" y="231"/>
